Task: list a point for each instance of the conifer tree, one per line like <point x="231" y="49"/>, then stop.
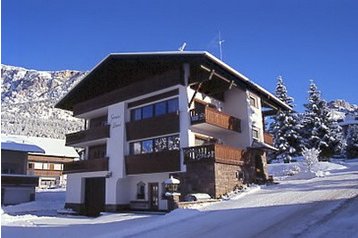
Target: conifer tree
<point x="285" y="127"/>
<point x="352" y="142"/>
<point x="320" y="131"/>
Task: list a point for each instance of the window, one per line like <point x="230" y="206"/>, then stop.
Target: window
<point x="160" y="144"/>
<point x="147" y="146"/>
<point x="255" y="133"/>
<point x="141" y="190"/>
<point x="136" y="114"/>
<point x="136" y="148"/>
<point x="173" y="142"/>
<point x="253" y="101"/>
<point x="155" y="145"/>
<point x="8" y="171"/>
<point x="160" y="108"/>
<point x="147" y="112"/>
<point x="173" y="105"/>
<point x="156" y="109"/>
<point x="31" y="166"/>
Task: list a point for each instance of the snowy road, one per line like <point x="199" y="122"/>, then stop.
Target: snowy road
<point x="290" y="209"/>
<point x="320" y="207"/>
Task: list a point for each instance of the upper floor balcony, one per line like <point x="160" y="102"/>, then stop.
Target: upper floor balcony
<point x="214" y="152"/>
<point x="81" y="166"/>
<point x="156" y="162"/>
<point x="92" y="134"/>
<point x="208" y="118"/>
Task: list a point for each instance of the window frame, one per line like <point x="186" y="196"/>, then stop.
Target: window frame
<point x="256" y="130"/>
<point x="254" y="100"/>
<point x="137" y="114"/>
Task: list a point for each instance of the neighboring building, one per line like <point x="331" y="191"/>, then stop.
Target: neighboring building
<point x="16" y="185"/>
<point x="152" y="115"/>
<point x="48" y="166"/>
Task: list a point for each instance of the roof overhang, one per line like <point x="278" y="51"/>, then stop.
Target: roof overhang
<point x="121" y="69"/>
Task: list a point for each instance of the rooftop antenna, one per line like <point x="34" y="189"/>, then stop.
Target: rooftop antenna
<point x="182" y="47"/>
<point x="220" y="46"/>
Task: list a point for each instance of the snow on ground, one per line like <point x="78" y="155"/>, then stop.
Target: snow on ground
<point x="318" y="207"/>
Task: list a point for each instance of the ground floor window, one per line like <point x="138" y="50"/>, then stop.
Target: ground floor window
<point x="141" y="190"/>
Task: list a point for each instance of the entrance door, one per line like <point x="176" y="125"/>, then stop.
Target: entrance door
<point x="153" y="192"/>
<point x="94" y="196"/>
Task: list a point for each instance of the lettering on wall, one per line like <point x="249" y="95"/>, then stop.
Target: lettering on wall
<point x="116" y="120"/>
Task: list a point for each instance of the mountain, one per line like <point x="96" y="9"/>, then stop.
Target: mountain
<point x="340" y="109"/>
<point x="343" y="106"/>
<point x="28" y="98"/>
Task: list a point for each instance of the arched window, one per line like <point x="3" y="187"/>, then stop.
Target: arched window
<point x="141" y="190"/>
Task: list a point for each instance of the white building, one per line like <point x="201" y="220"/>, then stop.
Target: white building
<point x="152" y="115"/>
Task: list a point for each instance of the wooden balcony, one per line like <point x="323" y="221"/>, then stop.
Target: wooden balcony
<point x="214" y="152"/>
<point x="91" y="134"/>
<point x="45" y="172"/>
<point x="215" y="118"/>
<point x="268" y="138"/>
<point x="165" y="124"/>
<point x="157" y="162"/>
<point x="19" y="180"/>
<point x="81" y="166"/>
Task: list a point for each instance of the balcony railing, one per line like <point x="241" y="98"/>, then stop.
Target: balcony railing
<point x="216" y="118"/>
<point x="161" y="125"/>
<point x="44" y="172"/>
<point x="164" y="161"/>
<point x="81" y="166"/>
<point x="88" y="135"/>
<point x="268" y="138"/>
<point x="213" y="152"/>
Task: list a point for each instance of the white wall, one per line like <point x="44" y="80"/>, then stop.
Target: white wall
<point x="133" y="180"/>
<point x="75" y="190"/>
<point x="115" y="149"/>
<point x="16" y="195"/>
<point x="236" y="104"/>
<point x="255" y="116"/>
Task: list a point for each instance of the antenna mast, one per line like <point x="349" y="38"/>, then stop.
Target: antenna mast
<point x="220" y="46"/>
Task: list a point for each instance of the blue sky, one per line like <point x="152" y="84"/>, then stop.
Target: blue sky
<point x="298" y="39"/>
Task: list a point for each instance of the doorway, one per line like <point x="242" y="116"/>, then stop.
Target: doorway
<point x="94" y="196"/>
<point x="153" y="193"/>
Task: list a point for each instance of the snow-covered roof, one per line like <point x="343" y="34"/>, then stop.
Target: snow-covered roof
<point x="48" y="146"/>
<point x="22" y="147"/>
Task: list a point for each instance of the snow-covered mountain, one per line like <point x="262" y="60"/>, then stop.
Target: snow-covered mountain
<point x="342" y="105"/>
<point x="340" y="109"/>
<point x="28" y="98"/>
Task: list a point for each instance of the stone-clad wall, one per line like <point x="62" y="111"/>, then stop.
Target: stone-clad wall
<point x="226" y="178"/>
<point x="199" y="178"/>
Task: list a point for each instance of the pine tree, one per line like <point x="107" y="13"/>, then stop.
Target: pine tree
<point x="352" y="142"/>
<point x="285" y="127"/>
<point x="320" y="131"/>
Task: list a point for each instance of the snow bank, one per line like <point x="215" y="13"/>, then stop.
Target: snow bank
<point x="46" y="201"/>
<point x="298" y="170"/>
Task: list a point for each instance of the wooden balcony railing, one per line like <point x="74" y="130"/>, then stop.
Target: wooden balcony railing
<point x="81" y="166"/>
<point x="19" y="180"/>
<point x="44" y="172"/>
<point x="268" y="138"/>
<point x="165" y="124"/>
<point x="88" y="135"/>
<point x="214" y="152"/>
<point x="164" y="161"/>
<point x="215" y="118"/>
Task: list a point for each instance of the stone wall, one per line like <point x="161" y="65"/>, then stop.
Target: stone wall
<point x="226" y="178"/>
<point x="199" y="178"/>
